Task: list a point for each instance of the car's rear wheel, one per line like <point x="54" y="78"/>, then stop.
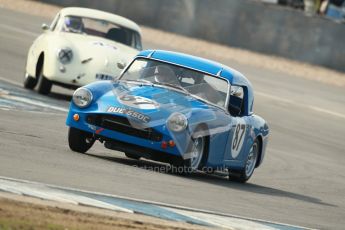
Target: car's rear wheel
<point x="132" y="156"/>
<point x="44" y="85"/>
<point x="244" y="174"/>
<point x="29" y="81"/>
<point x="80" y="141"/>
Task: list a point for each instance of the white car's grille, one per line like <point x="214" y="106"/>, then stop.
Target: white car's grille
<point x="104" y="77"/>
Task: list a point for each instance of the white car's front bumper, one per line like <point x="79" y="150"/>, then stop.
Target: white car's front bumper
<point x="82" y="74"/>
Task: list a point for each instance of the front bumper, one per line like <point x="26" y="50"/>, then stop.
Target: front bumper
<point x="140" y="139"/>
<point x="79" y="75"/>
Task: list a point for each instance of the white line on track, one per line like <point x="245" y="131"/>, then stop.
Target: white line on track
<point x="11" y="81"/>
<point x="318" y="109"/>
<point x="33" y="102"/>
<point x="311" y="107"/>
<point x="273" y="97"/>
<point x="12" y="109"/>
<point x="29" y="101"/>
<point x="22" y="31"/>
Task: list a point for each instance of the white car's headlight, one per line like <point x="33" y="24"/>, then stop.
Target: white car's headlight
<point x="65" y="55"/>
<point x="82" y="97"/>
<point x="177" y="122"/>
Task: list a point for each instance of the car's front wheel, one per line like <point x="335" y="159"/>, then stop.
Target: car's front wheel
<point x="29" y="82"/>
<point x="197" y="153"/>
<point x="80" y="141"/>
<point x="244" y="174"/>
<point x="44" y="84"/>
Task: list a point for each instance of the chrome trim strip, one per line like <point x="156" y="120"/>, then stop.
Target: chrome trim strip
<point x="86" y="60"/>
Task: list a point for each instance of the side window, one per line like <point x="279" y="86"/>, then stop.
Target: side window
<point x="138" y="45"/>
<point x="55" y="22"/>
<point x="236" y="103"/>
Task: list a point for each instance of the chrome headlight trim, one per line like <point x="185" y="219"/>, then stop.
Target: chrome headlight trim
<point x="82" y="97"/>
<point x="177" y="122"/>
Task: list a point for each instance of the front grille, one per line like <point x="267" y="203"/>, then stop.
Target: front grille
<point x="123" y="125"/>
<point x="104" y="77"/>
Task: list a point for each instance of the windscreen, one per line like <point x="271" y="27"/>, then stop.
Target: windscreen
<point x="203" y="86"/>
<point x="102" y="28"/>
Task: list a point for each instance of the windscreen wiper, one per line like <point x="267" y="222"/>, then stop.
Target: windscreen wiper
<point x="174" y="86"/>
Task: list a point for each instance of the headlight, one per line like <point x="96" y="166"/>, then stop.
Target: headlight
<point x="82" y="97"/>
<point x="177" y="122"/>
<point x="65" y="55"/>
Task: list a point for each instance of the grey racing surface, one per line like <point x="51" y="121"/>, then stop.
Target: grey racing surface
<point x="301" y="181"/>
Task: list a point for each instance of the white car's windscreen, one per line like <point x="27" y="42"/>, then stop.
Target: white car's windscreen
<point x="201" y="85"/>
<point x="102" y="28"/>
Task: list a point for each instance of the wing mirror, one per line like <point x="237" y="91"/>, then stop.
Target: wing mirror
<point x="45" y="26"/>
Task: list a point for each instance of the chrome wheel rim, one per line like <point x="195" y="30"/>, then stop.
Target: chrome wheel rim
<point x="251" y="159"/>
<point x="197" y="151"/>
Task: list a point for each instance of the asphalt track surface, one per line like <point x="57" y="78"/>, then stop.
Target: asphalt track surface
<point x="301" y="182"/>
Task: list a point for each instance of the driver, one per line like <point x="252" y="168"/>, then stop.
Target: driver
<point x="198" y="78"/>
<point x="164" y="74"/>
<point x="74" y="24"/>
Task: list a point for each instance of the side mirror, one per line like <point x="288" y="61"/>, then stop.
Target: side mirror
<point x="45" y="27"/>
<point x="121" y="65"/>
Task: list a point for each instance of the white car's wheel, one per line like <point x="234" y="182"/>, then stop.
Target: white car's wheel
<point x="29" y="81"/>
<point x="44" y="85"/>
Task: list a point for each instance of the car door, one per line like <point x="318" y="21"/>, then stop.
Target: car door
<point x="241" y="127"/>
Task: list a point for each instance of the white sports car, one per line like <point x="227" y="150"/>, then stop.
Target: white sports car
<point x="80" y="46"/>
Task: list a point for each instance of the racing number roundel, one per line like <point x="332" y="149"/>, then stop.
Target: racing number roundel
<point x="138" y="102"/>
<point x="238" y="139"/>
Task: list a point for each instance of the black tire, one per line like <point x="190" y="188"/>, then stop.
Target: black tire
<point x="44" y="85"/>
<point x="80" y="141"/>
<point x="243" y="175"/>
<point x="132" y="156"/>
<point x="29" y="82"/>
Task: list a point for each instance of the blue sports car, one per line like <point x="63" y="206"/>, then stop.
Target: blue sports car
<point x="193" y="113"/>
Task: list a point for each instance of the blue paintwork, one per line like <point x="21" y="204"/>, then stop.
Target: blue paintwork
<point x="219" y="123"/>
